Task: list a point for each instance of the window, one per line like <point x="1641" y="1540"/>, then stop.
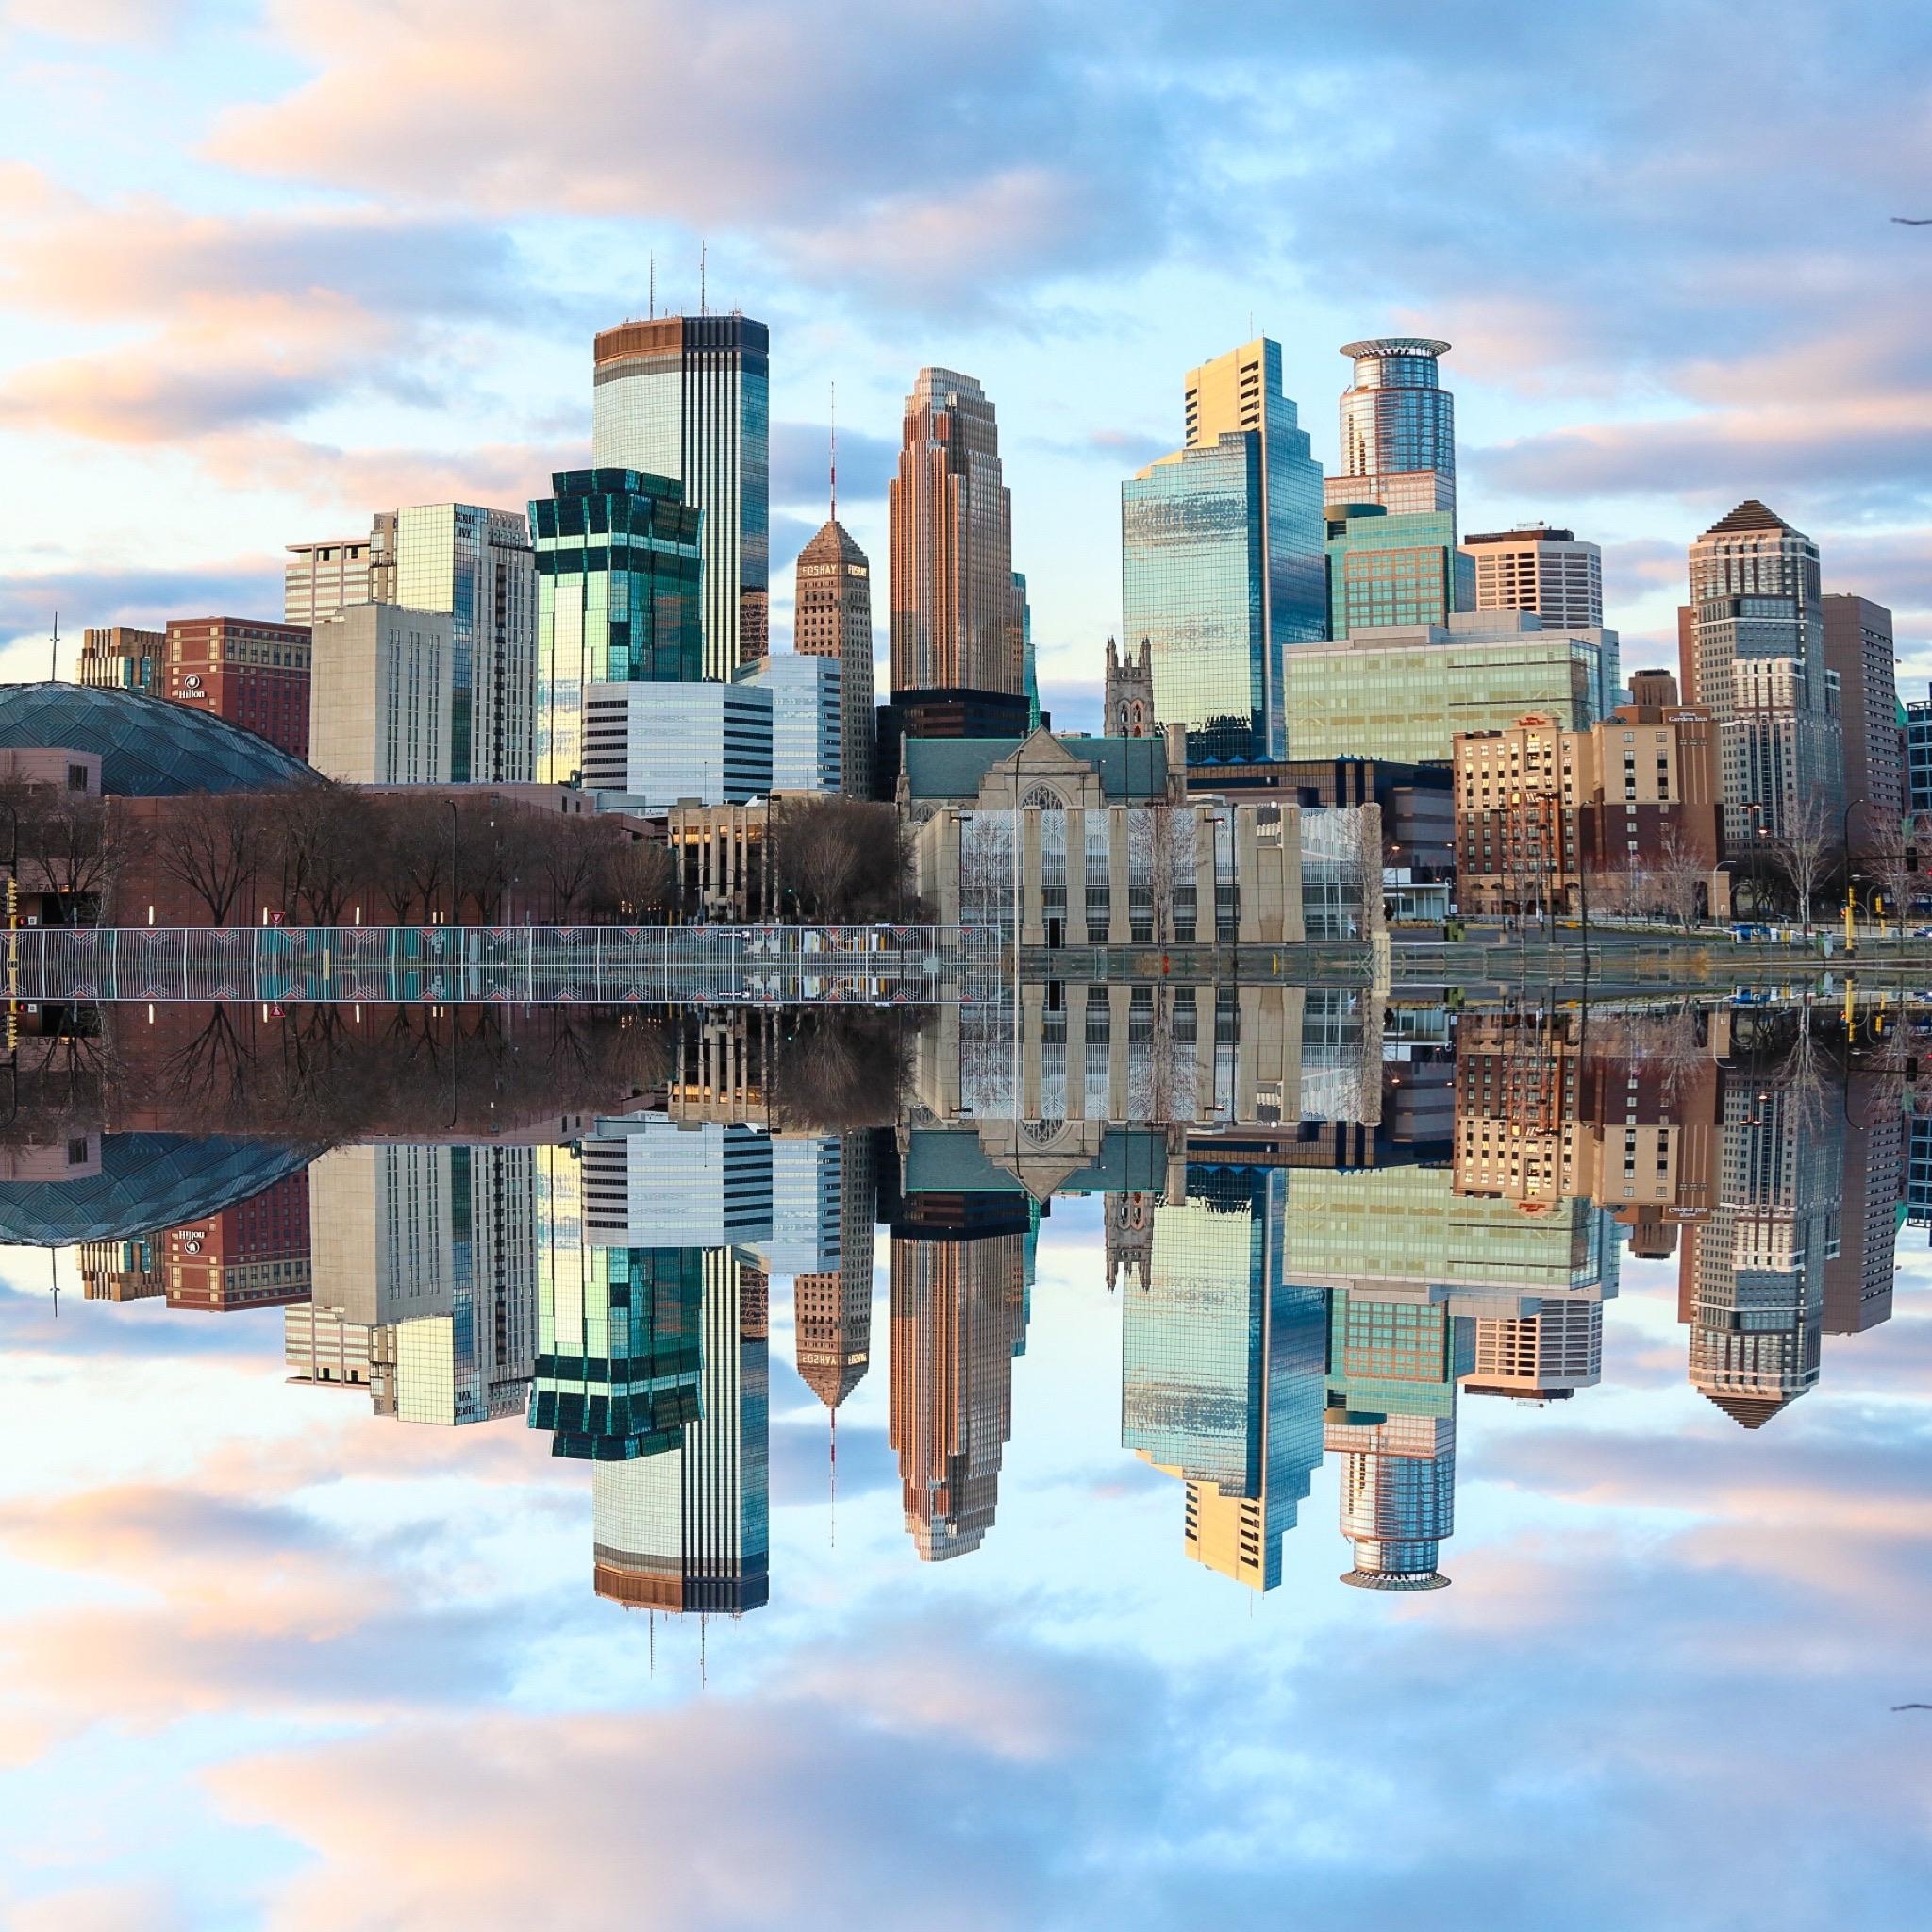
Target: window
<point x="76" y="777"/>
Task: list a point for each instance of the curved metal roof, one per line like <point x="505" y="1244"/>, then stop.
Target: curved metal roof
<point x="146" y="1182"/>
<point x="148" y="748"/>
<point x="1395" y="346"/>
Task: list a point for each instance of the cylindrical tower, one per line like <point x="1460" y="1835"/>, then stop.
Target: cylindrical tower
<point x="1398" y="428"/>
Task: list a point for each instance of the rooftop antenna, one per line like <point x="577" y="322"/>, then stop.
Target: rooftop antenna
<point x="654" y="284"/>
<point x="835" y="452"/>
<point x="53" y="652"/>
<point x="835" y="1478"/>
<point x="54" y="1263"/>
<point x="703" y="250"/>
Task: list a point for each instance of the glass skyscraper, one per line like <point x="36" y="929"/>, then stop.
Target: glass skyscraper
<point x="475" y="564"/>
<point x="687" y="396"/>
<point x="618" y="578"/>
<point x="1220" y="559"/>
<point x="1392" y="548"/>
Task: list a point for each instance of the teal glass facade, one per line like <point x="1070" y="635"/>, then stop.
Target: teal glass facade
<point x="1222" y="572"/>
<point x="618" y="577"/>
<point x="1386" y="570"/>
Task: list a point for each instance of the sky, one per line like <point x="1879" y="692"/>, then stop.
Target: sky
<point x="268" y="268"/>
<point x="272" y="1662"/>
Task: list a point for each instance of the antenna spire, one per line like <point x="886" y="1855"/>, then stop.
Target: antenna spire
<point x="53" y="652"/>
<point x="654" y="284"/>
<point x="835" y="457"/>
<point x="704" y="249"/>
<point x="835" y="1478"/>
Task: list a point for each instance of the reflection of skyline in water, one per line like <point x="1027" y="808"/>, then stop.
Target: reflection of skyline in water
<point x="1296" y="1281"/>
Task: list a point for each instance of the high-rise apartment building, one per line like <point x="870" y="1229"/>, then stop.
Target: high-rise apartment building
<point x="832" y="619"/>
<point x="478" y="567"/>
<point x="1537" y="568"/>
<point x="1756" y="663"/>
<point x="1220" y="559"/>
<point x="247" y="670"/>
<point x="618" y="580"/>
<point x="382" y="701"/>
<point x="321" y="577"/>
<point x="1858" y="652"/>
<point x="117" y="658"/>
<point x="954" y="625"/>
<point x="687" y="1527"/>
<point x="688" y="397"/>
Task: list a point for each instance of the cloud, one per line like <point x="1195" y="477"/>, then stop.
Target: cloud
<point x="800" y="452"/>
<point x="930" y="155"/>
<point x="142" y="597"/>
<point x="99" y="22"/>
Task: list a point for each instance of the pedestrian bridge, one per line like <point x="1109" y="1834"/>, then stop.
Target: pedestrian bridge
<point x="526" y="965"/>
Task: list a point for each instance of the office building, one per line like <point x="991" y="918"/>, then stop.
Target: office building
<point x="1861" y="1274"/>
<point x="321" y="577"/>
<point x="958" y="1319"/>
<point x="117" y="658"/>
<point x="1029" y="675"/>
<point x="127" y="1270"/>
<point x="686" y="1527"/>
<point x="941" y="714"/>
<point x="617" y="1367"/>
<point x="954" y="624"/>
<point x="1753" y="1273"/>
<point x="1858" y="653"/>
<point x="688" y="397"/>
<point x="618" y="577"/>
<point x="1755" y="661"/>
<point x="382" y="697"/>
<point x="424" y="1285"/>
<point x="1537" y="568"/>
<point x="832" y="620"/>
<point x="646" y="747"/>
<point x="1402" y="694"/>
<point x="251" y="1256"/>
<point x="832" y="1304"/>
<point x="1542" y="1357"/>
<point x="807" y="719"/>
<point x="1398" y="429"/>
<point x="1918" y="736"/>
<point x="1222" y="1368"/>
<point x="1220" y="559"/>
<point x="1386" y="570"/>
<point x="248" y="671"/>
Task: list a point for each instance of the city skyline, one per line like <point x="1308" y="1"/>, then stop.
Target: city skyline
<point x="414" y="367"/>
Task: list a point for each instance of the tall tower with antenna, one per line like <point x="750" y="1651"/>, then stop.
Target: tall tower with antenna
<point x="832" y="618"/>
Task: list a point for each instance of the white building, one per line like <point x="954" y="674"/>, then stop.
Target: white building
<point x="806" y="727"/>
<point x="381" y="695"/>
<point x="1540" y="569"/>
<point x="321" y="577"/>
<point x="646" y="747"/>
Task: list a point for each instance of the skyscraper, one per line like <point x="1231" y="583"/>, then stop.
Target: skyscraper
<point x="618" y="570"/>
<point x="1220" y="559"/>
<point x="247" y="670"/>
<point x="1536" y="568"/>
<point x="832" y="1307"/>
<point x="1392" y="550"/>
<point x="381" y="703"/>
<point x="477" y="565"/>
<point x="832" y="618"/>
<point x="688" y="397"/>
<point x="1757" y="664"/>
<point x="1859" y="651"/>
<point x="1398" y="429"/>
<point x="117" y="658"/>
<point x="687" y="1527"/>
<point x="958" y="1318"/>
<point x="953" y="620"/>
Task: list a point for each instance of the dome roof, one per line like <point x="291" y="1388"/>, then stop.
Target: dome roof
<point x="147" y="1181"/>
<point x="148" y="748"/>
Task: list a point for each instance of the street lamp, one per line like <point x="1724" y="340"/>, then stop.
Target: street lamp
<point x="1844" y="840"/>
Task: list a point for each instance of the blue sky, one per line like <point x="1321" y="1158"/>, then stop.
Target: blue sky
<point x="274" y="1662"/>
<point x="265" y="269"/>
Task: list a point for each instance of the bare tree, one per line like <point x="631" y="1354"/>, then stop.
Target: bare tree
<point x="420" y="842"/>
<point x="1803" y="852"/>
<point x="842" y="859"/>
<point x="216" y="850"/>
<point x="635" y="879"/>
<point x="327" y="840"/>
<point x="569" y="854"/>
<point x="1891" y="867"/>
<point x="1680" y="875"/>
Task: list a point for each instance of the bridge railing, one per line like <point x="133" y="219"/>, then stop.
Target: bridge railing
<point x="603" y="965"/>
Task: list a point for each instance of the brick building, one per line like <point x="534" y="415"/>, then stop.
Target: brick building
<point x="247" y="670"/>
<point x="253" y="1255"/>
